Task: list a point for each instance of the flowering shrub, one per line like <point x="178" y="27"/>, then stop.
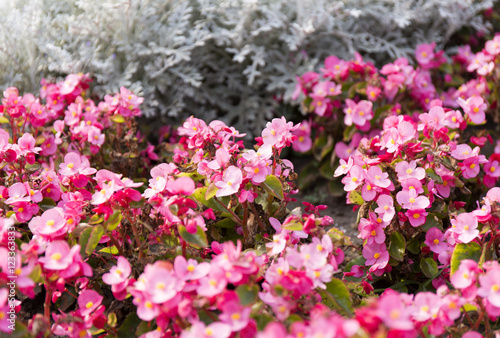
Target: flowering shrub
<point x="206" y="246"/>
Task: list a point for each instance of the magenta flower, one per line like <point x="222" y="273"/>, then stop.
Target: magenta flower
<point x="376" y="255"/>
<point x="424" y="53"/>
<point x="230" y="183"/>
<point x="416" y="217"/>
<point x="370" y="231"/>
<point x="88" y="301"/>
<point x="434" y="239"/>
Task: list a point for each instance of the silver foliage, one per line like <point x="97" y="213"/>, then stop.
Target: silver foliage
<point x="213" y="58"/>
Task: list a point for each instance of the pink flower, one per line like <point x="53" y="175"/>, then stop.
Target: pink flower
<point x="213" y="284"/>
<point x="354" y="179"/>
<point x="385" y="207"/>
<point x="466" y="274"/>
<point x="57" y="256"/>
<point x="410" y="200"/>
<point x="118" y="273"/>
<point x="88" y="301"/>
<point x="199" y="330"/>
<point x="424" y="54"/>
<point x="191" y="269"/>
<point x="434" y="239"/>
<point x="490" y="286"/>
<point x="406" y="170"/>
<point x="26" y="145"/>
<point x="230" y="183"/>
<point x="362" y="113"/>
<point x="344" y="167"/>
<point x="235" y="315"/>
<point x="376" y="255"/>
<point x="465" y="226"/>
<point x="474" y="107"/>
<point x="278" y="133"/>
<point x="378" y="178"/>
<point x="370" y="231"/>
<point x="50" y="225"/>
<point x="17" y="193"/>
<point x="416" y="217"/>
<point x="393" y="312"/>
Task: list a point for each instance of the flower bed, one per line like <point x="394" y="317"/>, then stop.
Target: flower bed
<point x="193" y="237"/>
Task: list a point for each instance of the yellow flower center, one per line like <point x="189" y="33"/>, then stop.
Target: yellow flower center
<point x="209" y="332"/>
<point x="466" y="227"/>
<point x="424" y="308"/>
<point x="160" y="286"/>
<point x="416" y="215"/>
<point x="256" y="170"/>
<point x="394" y="314"/>
<point x="476" y="109"/>
<point x="495" y="288"/>
<point x="374" y="233"/>
<point x="50" y="222"/>
<point x="317" y="274"/>
<point x="56" y="256"/>
<point x="368" y="187"/>
<point x="472" y="166"/>
<point x="377" y="177"/>
<point x="492" y="169"/>
<point x="235" y="316"/>
<point x="436" y="241"/>
<point x="148" y="304"/>
<point x="386" y="207"/>
<point x="412" y="200"/>
<point x="89" y="305"/>
<point x="354" y="179"/>
<point x="376" y="256"/>
<point x="409" y="171"/>
<point x="20" y="210"/>
<point x="190" y="268"/>
<point x="71" y="165"/>
<point x="319" y="247"/>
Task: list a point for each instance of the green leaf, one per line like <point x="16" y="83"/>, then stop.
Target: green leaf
<point x="84" y="239"/>
<point x="211" y="191"/>
<point x="414" y="247"/>
<point x="112" y="319"/>
<point x="3" y="119"/>
<point x="273" y="185"/>
<point x="356" y="198"/>
<point x="432" y="174"/>
<point x="198" y="239"/>
<point x="247" y="294"/>
<point x="94" y="238"/>
<point x="337" y="296"/>
<point x="110" y="250"/>
<point x="36" y="273"/>
<point x="129" y="326"/>
<point x="114" y="220"/>
<point x="46" y="204"/>
<point x="429" y="267"/>
<point x="199" y="195"/>
<point x="432" y="221"/>
<point x="96" y="219"/>
<point x="227" y="223"/>
<point x="117" y="118"/>
<point x="397" y="247"/>
<point x="463" y="251"/>
<point x="293" y="226"/>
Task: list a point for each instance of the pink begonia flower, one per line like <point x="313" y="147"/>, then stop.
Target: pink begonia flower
<point x="424" y="53"/>
<point x="434" y="120"/>
<point x="222" y="157"/>
<point x="465" y="226"/>
<point x="277" y="245"/>
<point x="376" y="254"/>
<point x="393" y="312"/>
<point x="490" y="286"/>
<point x="453" y="119"/>
<point x="464" y="151"/>
<point x="104" y="194"/>
<point x="158" y="283"/>
<point x="435" y="240"/>
<point x="95" y="136"/>
<point x="373" y="92"/>
<point x="212" y="284"/>
<point x="26" y="144"/>
<point x="181" y="186"/>
<point x="471" y="166"/>
<point x="278" y="133"/>
<point x="492" y="168"/>
<point x="230" y="183"/>
<point x="408" y="170"/>
<point x="426" y="306"/>
<point x="412" y="184"/>
<point x="344" y="167"/>
<point x="368" y="191"/>
<point x="320" y="104"/>
<point x="416" y="217"/>
<point x="235" y="315"/>
<point x="323" y="246"/>
<point x="475" y="108"/>
<point x="466" y="274"/>
<point x="370" y="231"/>
<point x="199" y="330"/>
<point x="303" y="143"/>
<point x="118" y="273"/>
<point x="88" y="301"/>
<point x="50" y="225"/>
<point x="409" y="199"/>
<point x="493" y="46"/>
<point x="354" y="179"/>
<point x="190" y="269"/>
<point x="385" y="208"/>
<point x="74" y="163"/>
<point x="378" y="177"/>
<point x="57" y="256"/>
<point x="362" y="113"/>
<point x="17" y="193"/>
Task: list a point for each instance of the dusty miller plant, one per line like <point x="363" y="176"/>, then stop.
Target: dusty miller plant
<point x="232" y="59"/>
